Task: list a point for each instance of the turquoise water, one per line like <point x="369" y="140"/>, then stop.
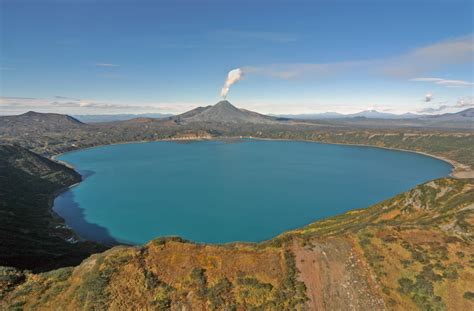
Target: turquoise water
<point x="216" y="191"/>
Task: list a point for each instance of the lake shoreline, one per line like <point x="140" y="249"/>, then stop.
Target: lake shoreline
<point x="459" y="170"/>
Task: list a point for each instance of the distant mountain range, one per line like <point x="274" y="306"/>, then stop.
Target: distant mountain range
<point x="222" y="110"/>
<point x="226" y="112"/>
<point x="370" y="114"/>
<point x="94" y="118"/>
<point x="374" y="114"/>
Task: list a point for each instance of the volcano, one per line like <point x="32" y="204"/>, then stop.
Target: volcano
<point x="225" y="112"/>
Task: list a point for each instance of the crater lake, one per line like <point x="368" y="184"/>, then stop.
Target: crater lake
<point x="225" y="191"/>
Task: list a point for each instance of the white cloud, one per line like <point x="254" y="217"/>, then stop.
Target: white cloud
<point x="462" y="103"/>
<point x="445" y="82"/>
<point x="417" y="61"/>
<point x="431" y="57"/>
<point x="67" y="105"/>
<point x="465" y="102"/>
<point x="300" y="70"/>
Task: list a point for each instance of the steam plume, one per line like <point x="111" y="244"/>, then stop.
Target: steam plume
<point x="232" y="77"/>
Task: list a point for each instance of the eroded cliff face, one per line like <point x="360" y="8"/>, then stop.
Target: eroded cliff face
<point x="414" y="251"/>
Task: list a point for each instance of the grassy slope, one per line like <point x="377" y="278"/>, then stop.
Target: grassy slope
<point x="31" y="236"/>
<point x="166" y="273"/>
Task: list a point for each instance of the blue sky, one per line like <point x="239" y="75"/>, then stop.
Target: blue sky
<point x="87" y="57"/>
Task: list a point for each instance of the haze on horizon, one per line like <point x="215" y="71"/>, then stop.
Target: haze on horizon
<point x="296" y="57"/>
